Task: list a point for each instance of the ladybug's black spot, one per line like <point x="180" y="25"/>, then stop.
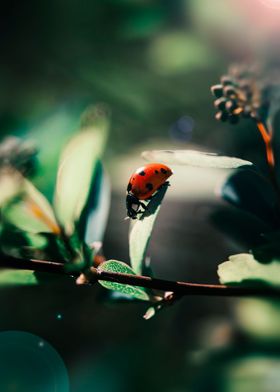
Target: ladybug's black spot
<point x="142" y="173"/>
<point x="163" y="170"/>
<point x="156" y="171"/>
<point x="129" y="187"/>
<point x="149" y="186"/>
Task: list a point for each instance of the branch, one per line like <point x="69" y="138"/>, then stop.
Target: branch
<point x="180" y="288"/>
<point x="267" y="135"/>
<point x="184" y="288"/>
<point x="32" y="264"/>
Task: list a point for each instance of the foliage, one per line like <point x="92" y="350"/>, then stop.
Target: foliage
<point x="245" y="268"/>
<point x="141" y="231"/>
<point x="33" y="228"/>
<point x="77" y="167"/>
<point x="120" y="267"/>
<point x="195" y="158"/>
<point x="71" y="229"/>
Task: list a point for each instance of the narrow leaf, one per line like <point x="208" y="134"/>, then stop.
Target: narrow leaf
<point x="30" y="211"/>
<point x="150" y="313"/>
<point x="194" y="158"/>
<point x="77" y="167"/>
<point x="10" y="184"/>
<point x="250" y="191"/>
<point x="118" y="266"/>
<point x="244" y="267"/>
<point x="93" y="221"/>
<point x="141" y="231"/>
<point x="13" y="277"/>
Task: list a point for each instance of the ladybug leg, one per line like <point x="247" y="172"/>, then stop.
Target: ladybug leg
<point x="167" y="183"/>
<point x="143" y="206"/>
<point x="132" y="206"/>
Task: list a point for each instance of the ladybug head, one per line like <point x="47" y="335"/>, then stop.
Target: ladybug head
<point x="132" y="206"/>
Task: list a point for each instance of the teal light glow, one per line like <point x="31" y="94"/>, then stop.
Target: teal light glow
<point x="28" y="363"/>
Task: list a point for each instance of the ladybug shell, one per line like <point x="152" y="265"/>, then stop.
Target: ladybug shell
<point x="146" y="180"/>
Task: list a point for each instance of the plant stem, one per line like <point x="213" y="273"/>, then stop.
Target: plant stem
<point x="32" y="264"/>
<point x="180" y="288"/>
<point x="184" y="288"/>
<point x="267" y="138"/>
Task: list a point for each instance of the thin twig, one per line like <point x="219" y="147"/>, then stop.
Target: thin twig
<point x="184" y="288"/>
<point x="32" y="264"/>
<point x="180" y="288"/>
<point x="267" y="134"/>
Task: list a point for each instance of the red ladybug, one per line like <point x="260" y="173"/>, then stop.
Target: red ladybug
<point x="143" y="183"/>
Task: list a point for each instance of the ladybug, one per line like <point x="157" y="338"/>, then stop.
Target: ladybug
<point x="142" y="185"/>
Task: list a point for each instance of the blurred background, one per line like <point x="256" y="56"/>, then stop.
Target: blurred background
<point x="153" y="63"/>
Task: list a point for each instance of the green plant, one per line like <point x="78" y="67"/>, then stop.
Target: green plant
<point x="46" y="240"/>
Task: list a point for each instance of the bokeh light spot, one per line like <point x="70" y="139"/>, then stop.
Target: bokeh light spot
<point x="28" y="363"/>
<point x="182" y="129"/>
<point x="275" y="4"/>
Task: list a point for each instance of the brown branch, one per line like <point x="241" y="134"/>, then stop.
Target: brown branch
<point x="184" y="288"/>
<point x="180" y="288"/>
<point x="267" y="135"/>
<point x="32" y="264"/>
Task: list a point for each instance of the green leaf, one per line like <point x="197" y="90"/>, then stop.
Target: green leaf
<point x="23" y="244"/>
<point x="51" y="132"/>
<point x="269" y="249"/>
<point x="11" y="277"/>
<point x="78" y="165"/>
<point x="150" y="313"/>
<point x="260" y="318"/>
<point x="30" y="211"/>
<point x="118" y="266"/>
<point x="10" y="184"/>
<point x="240" y="226"/>
<point x="252" y="192"/>
<point x="15" y="277"/>
<point x="93" y="220"/>
<point x="244" y="267"/>
<point x="194" y="158"/>
<point x="141" y="231"/>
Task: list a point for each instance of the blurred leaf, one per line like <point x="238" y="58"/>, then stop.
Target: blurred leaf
<point x="93" y="221"/>
<point x="260" y="318"/>
<point x="10" y="277"/>
<point x="78" y="165"/>
<point x="76" y="253"/>
<point x="14" y="277"/>
<point x="30" y="211"/>
<point x="194" y="158"/>
<point x="269" y="249"/>
<point x="244" y="228"/>
<point x="244" y="268"/>
<point x="150" y="313"/>
<point x="10" y="184"/>
<point x="141" y="230"/>
<point x="250" y="191"/>
<point x="118" y="266"/>
<point x="178" y="52"/>
<point x="19" y="243"/>
<point x="51" y="132"/>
